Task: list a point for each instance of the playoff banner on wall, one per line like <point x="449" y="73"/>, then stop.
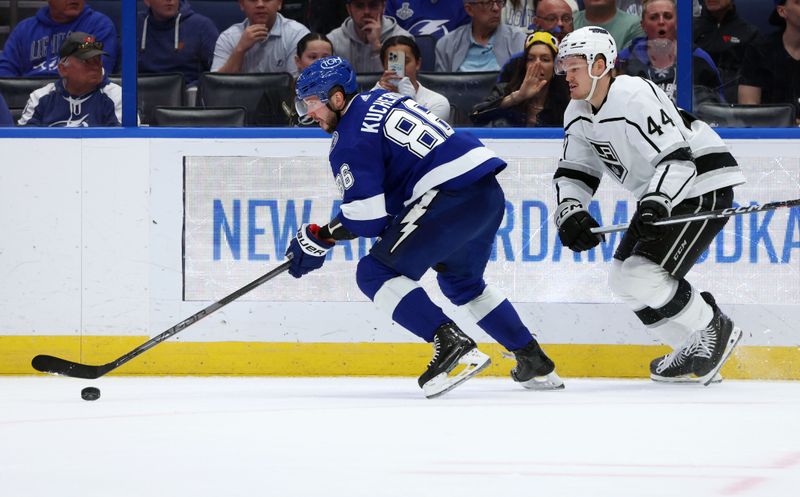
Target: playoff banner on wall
<point x="240" y="213"/>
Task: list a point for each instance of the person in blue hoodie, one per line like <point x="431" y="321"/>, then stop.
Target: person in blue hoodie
<point x="83" y="97"/>
<point x="32" y="48"/>
<point x="5" y="115"/>
<point x="173" y="38"/>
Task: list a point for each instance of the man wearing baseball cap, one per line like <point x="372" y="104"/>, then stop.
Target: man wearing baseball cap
<point x="83" y="96"/>
<point x="771" y="66"/>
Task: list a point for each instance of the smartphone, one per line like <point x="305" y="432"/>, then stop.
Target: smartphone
<point x="397" y="62"/>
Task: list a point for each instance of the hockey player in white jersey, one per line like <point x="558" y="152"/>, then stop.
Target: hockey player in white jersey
<point x="430" y="194"/>
<point x="627" y="128"/>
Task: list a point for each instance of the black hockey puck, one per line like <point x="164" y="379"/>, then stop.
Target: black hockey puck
<point x="90" y="393"/>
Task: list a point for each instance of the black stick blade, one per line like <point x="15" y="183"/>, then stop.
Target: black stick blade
<point x="55" y="365"/>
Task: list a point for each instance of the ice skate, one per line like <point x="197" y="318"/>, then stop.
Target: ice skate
<point x="451" y="348"/>
<point x="676" y="367"/>
<point x="715" y="343"/>
<point x="534" y="370"/>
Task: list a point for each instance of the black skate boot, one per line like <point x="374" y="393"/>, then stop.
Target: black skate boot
<point x="677" y="366"/>
<point x="714" y="344"/>
<point x="451" y="348"/>
<point x="534" y="370"/>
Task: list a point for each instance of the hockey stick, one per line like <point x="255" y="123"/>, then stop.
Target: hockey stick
<point x="55" y="365"/>
<point x="702" y="216"/>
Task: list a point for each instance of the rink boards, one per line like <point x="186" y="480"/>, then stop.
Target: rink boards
<point x="110" y="241"/>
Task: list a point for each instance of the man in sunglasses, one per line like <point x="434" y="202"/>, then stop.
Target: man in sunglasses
<point x="83" y="96"/>
<point x="32" y="48"/>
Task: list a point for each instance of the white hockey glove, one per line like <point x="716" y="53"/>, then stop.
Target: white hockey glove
<point x="406" y="87"/>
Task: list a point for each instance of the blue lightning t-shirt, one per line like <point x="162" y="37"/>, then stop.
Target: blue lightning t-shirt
<point x="387" y="151"/>
<point x="423" y="17"/>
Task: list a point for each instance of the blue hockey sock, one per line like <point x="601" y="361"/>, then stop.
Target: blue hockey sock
<point x="418" y="314"/>
<point x="504" y="325"/>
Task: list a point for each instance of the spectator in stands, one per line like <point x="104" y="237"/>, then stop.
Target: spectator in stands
<point x="519" y="13"/>
<point x="771" y="67"/>
<point x="5" y="114"/>
<point x="654" y="55"/>
<point x="311" y="47"/>
<point x="408" y="84"/>
<point x="427" y="17"/>
<point x="264" y="42"/>
<point x="725" y="36"/>
<point x="535" y="96"/>
<point x="83" y="96"/>
<point x="173" y="38"/>
<point x="555" y="17"/>
<point x="522" y="13"/>
<point x="485" y="44"/>
<point x="32" y="48"/>
<point x="632" y="7"/>
<point x="623" y="27"/>
<point x="361" y="35"/>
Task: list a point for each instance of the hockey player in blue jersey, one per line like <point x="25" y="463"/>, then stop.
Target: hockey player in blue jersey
<point x="431" y="196"/>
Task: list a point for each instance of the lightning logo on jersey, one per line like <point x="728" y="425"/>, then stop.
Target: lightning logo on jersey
<point x="416" y="212"/>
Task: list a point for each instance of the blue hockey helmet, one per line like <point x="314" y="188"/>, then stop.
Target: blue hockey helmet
<point x="323" y="75"/>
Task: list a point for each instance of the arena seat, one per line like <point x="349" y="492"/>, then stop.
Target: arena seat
<point x="366" y="81"/>
<point x="16" y="91"/>
<point x="153" y="90"/>
<point x="199" y="117"/>
<point x="757" y="12"/>
<point x="462" y="89"/>
<point x="747" y="116"/>
<point x="427" y="49"/>
<point x="224" y="13"/>
<point x="262" y="94"/>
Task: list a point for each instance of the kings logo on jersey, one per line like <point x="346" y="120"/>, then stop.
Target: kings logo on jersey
<point x="610" y="158"/>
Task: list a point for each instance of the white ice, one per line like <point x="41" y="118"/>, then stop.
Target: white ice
<point x="375" y="437"/>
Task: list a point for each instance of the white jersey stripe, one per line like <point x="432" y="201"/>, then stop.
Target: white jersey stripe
<point x="367" y="209"/>
<point x="450" y="170"/>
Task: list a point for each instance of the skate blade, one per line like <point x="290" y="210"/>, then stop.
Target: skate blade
<point x="733" y="340"/>
<point x="548" y="382"/>
<point x="473" y="361"/>
<point x="683" y="380"/>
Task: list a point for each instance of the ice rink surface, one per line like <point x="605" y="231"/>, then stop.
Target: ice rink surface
<point x="376" y="437"/>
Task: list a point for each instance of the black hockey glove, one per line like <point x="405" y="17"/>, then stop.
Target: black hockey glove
<point x="308" y="251"/>
<point x="575" y="232"/>
<point x="651" y="209"/>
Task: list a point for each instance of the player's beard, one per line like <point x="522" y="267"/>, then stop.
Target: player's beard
<point x="329" y="125"/>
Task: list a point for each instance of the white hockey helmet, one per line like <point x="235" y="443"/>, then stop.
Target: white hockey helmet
<point x="587" y="43"/>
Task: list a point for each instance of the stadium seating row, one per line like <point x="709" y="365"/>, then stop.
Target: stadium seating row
<point x="263" y="95"/>
<point x="264" y="99"/>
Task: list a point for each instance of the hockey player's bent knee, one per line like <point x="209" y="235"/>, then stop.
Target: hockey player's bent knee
<point x="637" y="276"/>
<point x="371" y="275"/>
<point x="460" y="291"/>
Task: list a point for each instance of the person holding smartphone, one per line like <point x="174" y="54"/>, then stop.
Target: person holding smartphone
<point x="402" y="59"/>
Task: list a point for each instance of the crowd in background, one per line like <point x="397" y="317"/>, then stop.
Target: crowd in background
<point x="732" y="61"/>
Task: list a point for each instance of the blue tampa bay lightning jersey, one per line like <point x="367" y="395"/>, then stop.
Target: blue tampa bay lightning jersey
<point x="387" y="151"/>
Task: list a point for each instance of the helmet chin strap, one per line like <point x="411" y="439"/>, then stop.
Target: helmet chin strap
<point x="595" y="79"/>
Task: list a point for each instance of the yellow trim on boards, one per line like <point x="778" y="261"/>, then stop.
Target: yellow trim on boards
<point x="360" y="359"/>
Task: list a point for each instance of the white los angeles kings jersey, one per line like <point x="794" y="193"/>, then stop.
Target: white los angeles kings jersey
<point x="640" y="139"/>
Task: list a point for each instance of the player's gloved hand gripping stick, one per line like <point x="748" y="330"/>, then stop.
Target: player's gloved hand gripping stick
<point x="56" y="365"/>
<point x="702" y="216"/>
<point x="308" y="250"/>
